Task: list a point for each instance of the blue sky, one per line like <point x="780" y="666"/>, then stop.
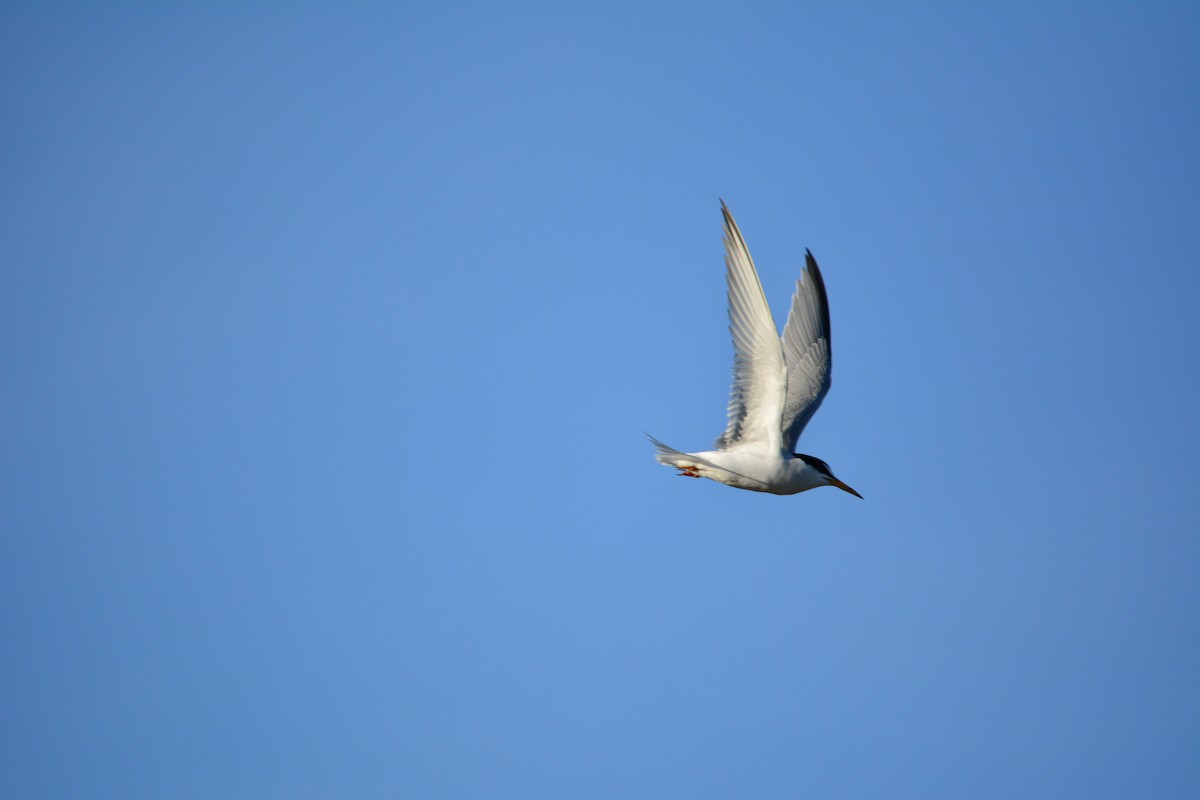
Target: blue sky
<point x="329" y="337"/>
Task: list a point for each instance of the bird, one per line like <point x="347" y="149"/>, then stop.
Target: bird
<point x="778" y="384"/>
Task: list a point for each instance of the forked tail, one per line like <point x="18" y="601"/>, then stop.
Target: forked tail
<point x="687" y="464"/>
<point x="669" y="455"/>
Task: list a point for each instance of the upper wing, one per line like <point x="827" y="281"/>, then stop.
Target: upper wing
<point x="759" y="373"/>
<point x="806" y="351"/>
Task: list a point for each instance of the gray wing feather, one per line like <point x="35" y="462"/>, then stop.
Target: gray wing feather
<point x="806" y="351"/>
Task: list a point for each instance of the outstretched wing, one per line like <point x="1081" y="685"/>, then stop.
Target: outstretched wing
<point x="806" y="352"/>
<point x="759" y="373"/>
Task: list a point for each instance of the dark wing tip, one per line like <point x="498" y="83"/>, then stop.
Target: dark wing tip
<point x="810" y="265"/>
<point x="733" y="233"/>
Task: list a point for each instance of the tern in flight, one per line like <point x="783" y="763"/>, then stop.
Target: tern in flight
<point x="778" y="384"/>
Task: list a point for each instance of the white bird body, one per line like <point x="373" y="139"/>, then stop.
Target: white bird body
<point x="746" y="468"/>
<point x="778" y="384"/>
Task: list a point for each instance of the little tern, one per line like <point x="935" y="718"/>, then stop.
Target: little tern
<point x="778" y="384"/>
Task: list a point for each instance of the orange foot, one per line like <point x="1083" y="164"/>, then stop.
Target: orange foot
<point x="689" y="472"/>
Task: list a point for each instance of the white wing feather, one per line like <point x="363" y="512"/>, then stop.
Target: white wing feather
<point x="760" y="379"/>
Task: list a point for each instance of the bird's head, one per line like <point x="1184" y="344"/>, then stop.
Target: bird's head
<point x="826" y="474"/>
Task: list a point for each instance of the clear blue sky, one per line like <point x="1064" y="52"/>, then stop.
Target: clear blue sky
<point x="328" y="339"/>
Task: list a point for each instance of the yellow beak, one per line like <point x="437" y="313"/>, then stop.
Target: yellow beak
<point x="835" y="482"/>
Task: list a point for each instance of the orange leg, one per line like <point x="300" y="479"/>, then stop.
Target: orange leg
<point x="689" y="472"/>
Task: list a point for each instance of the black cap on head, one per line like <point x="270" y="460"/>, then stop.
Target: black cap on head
<point x="815" y="463"/>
